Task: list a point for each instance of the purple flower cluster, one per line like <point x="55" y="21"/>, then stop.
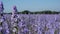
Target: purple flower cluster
<point x="1" y="7"/>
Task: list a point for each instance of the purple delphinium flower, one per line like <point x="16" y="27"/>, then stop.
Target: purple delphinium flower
<point x="1" y="7"/>
<point x="26" y="30"/>
<point x="5" y="27"/>
<point x="14" y="20"/>
<point x="0" y="28"/>
<point x="14" y="10"/>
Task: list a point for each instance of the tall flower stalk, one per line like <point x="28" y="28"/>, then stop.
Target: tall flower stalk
<point x="14" y="21"/>
<point x="1" y="16"/>
<point x="5" y="26"/>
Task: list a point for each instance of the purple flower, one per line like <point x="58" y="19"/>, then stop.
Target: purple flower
<point x="14" y="9"/>
<point x="0" y="28"/>
<point x="1" y="7"/>
<point x="51" y="31"/>
<point x="5" y="27"/>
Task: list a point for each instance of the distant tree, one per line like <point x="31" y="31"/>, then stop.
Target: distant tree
<point x="25" y="12"/>
<point x="47" y="12"/>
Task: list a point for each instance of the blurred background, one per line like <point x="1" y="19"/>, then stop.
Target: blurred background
<point x="31" y="5"/>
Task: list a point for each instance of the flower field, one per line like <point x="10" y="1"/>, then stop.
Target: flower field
<point x="28" y="23"/>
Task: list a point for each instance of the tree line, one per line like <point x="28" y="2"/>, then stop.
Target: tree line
<point x="36" y="12"/>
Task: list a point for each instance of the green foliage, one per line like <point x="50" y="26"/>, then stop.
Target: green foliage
<point x="37" y="12"/>
<point x="25" y="12"/>
<point x="40" y="12"/>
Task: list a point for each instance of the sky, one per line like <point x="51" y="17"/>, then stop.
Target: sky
<point x="31" y="5"/>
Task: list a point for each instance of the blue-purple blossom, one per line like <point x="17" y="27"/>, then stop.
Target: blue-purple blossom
<point x="1" y="7"/>
<point x="5" y="28"/>
<point x="0" y="28"/>
<point x="14" y="9"/>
